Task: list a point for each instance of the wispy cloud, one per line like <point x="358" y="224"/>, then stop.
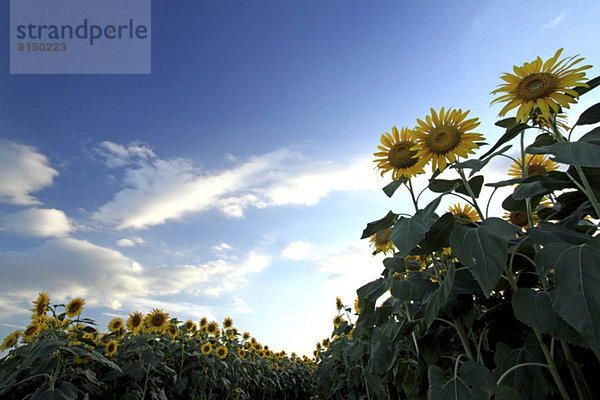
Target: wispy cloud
<point x="554" y="22"/>
<point x="22" y="171"/>
<point x="37" y="222"/>
<point x="157" y="190"/>
<point x="130" y="242"/>
<point x="298" y="250"/>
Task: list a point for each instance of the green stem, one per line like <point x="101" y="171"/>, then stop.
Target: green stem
<point x="511" y="369"/>
<point x="412" y="195"/>
<point x="460" y="329"/>
<point x="552" y="366"/>
<point x="583" y="390"/>
<point x="471" y="193"/>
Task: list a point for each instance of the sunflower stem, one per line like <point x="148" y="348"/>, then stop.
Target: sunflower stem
<point x="552" y="366"/>
<point x="471" y="193"/>
<point x="583" y="390"/>
<point x="412" y="195"/>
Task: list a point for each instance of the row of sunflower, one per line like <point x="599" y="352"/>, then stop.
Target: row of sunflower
<point x="62" y="355"/>
<point x="477" y="303"/>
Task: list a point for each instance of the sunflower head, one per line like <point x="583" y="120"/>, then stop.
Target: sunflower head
<point x="116" y="325"/>
<point x="31" y="332"/>
<point x="40" y="305"/>
<point x="381" y="241"/>
<point x="203" y="321"/>
<point x="206" y="348"/>
<point x="172" y="330"/>
<point x="465" y="214"/>
<point x="111" y="348"/>
<point x="212" y="328"/>
<point x="338" y="304"/>
<point x="190" y="325"/>
<point x="357" y="305"/>
<point x="337" y="321"/>
<point x="221" y="352"/>
<point x="416" y="263"/>
<point x="10" y="340"/>
<point x="157" y="321"/>
<point x="444" y="136"/>
<point x="74" y="307"/>
<point x="227" y="323"/>
<point x="397" y="154"/>
<point x="542" y="84"/>
<point x="135" y="322"/>
<point x="538" y="164"/>
<point x="519" y="218"/>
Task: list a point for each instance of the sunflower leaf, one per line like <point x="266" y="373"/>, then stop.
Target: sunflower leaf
<point x="510" y="134"/>
<point x="592" y="83"/>
<point x="543" y="140"/>
<point x="408" y="232"/>
<point x="390" y="188"/>
<point x="474" y="381"/>
<point x="437" y="299"/>
<point x="590" y="116"/>
<point x="379" y="225"/>
<point x="475" y="165"/>
<point x="506" y="122"/>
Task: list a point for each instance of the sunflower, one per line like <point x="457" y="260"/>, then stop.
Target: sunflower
<point x="40" y="305"/>
<point x="465" y="215"/>
<point x="190" y="325"/>
<point x="206" y="348"/>
<point x="246" y="335"/>
<point x="135" y="322"/>
<point x="74" y="307"/>
<point x="111" y="348"/>
<point x="519" y="218"/>
<point x="381" y="241"/>
<point x="227" y="323"/>
<point x="338" y="304"/>
<point x="172" y="330"/>
<point x="560" y="120"/>
<point x="156" y="321"/>
<point x="203" y="321"/>
<point x="10" y="340"/>
<point x="537" y="164"/>
<point x="337" y="321"/>
<point x="446" y="135"/>
<point x="115" y="325"/>
<point x="31" y="332"/>
<point x="221" y="352"/>
<point x="416" y="263"/>
<point x="357" y="305"/>
<point x="541" y="84"/>
<point x="212" y="328"/>
<point x="241" y="353"/>
<point x="397" y="155"/>
<point x="325" y="342"/>
<point x="82" y="359"/>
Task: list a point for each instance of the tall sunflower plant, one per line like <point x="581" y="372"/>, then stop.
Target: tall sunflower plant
<point x="471" y="304"/>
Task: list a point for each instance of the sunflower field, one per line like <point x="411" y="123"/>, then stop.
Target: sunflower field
<point x="469" y="305"/>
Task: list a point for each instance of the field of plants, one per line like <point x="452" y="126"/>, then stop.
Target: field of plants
<point x="469" y="305"/>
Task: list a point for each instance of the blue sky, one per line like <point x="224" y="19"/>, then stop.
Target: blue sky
<point x="235" y="179"/>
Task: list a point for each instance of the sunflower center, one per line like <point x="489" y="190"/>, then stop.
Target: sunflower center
<point x="136" y="321"/>
<point x="536" y="169"/>
<point x="537" y="86"/>
<point x="519" y="218"/>
<point x="401" y="156"/>
<point x="443" y="139"/>
<point x="157" y="320"/>
<point x="383" y="236"/>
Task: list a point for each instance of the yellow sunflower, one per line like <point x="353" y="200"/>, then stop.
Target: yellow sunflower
<point x="111" y="348"/>
<point x="203" y="322"/>
<point x="241" y="353"/>
<point x="172" y="330"/>
<point x="212" y="328"/>
<point x="227" y="323"/>
<point x="135" y="322"/>
<point x="246" y="335"/>
<point x="40" y="305"/>
<point x="541" y="84"/>
<point x="74" y="307"/>
<point x="190" y="325"/>
<point x="560" y="120"/>
<point x="156" y="321"/>
<point x="381" y="241"/>
<point x="31" y="332"/>
<point x="221" y="352"/>
<point x="446" y="135"/>
<point x="465" y="215"/>
<point x="338" y="304"/>
<point x="206" y="348"/>
<point x="337" y="321"/>
<point x="357" y="305"/>
<point x="10" y="340"/>
<point x="519" y="218"/>
<point x="115" y="325"/>
<point x="397" y="154"/>
<point x="416" y="263"/>
<point x="537" y="164"/>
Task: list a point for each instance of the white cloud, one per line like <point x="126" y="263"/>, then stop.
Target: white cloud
<point x="22" y="171"/>
<point x="37" y="222"/>
<point x="221" y="248"/>
<point x="117" y="155"/>
<point x="130" y="242"/>
<point x="296" y="250"/>
<point x="68" y="267"/>
<point x="554" y="22"/>
<point x="157" y="190"/>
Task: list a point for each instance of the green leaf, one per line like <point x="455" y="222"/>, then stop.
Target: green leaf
<point x="408" y="232"/>
<point x="592" y="83"/>
<point x="576" y="287"/>
<point x="545" y="233"/>
<point x="474" y="382"/>
<point x="530" y="189"/>
<point x="392" y="187"/>
<point x="590" y="116"/>
<point x="439" y="234"/>
<point x="534" y="309"/>
<point x="373" y="290"/>
<point x="506" y="122"/>
<point x="445" y="185"/>
<point x="483" y="249"/>
<point x="437" y="299"/>
<point x="413" y="288"/>
<point x="529" y="381"/>
<point x="510" y="134"/>
<point x="379" y="225"/>
<point x="475" y="165"/>
<point x="394" y="264"/>
<point x="505" y="392"/>
<point x="585" y="152"/>
<point x="543" y="140"/>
